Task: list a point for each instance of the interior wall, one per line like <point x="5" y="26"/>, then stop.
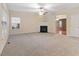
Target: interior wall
<point x="4" y="33"/>
<point x="74" y="29"/>
<point x="31" y="22"/>
<point x="72" y="17"/>
<point x="0" y="23"/>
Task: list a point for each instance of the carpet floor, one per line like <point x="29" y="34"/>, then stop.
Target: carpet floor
<point x="41" y="44"/>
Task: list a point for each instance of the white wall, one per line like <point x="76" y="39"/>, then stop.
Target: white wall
<point x="4" y="31"/>
<point x="31" y="22"/>
<point x="74" y="29"/>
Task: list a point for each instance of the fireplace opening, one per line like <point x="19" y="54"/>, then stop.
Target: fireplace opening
<point x="44" y="29"/>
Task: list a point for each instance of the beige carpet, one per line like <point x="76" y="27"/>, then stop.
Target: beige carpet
<point x="41" y="44"/>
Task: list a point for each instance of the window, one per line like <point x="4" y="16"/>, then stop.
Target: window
<point x="15" y="21"/>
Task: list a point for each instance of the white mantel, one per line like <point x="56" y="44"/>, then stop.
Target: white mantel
<point x="42" y="24"/>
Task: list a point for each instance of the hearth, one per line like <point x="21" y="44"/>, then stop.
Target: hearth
<point x="44" y="29"/>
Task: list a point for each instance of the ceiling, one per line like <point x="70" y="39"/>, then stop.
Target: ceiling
<point x="34" y="7"/>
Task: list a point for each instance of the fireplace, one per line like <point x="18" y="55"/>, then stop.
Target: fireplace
<point x="44" y="29"/>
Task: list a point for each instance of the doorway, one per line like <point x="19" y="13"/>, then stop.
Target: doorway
<point x="61" y="26"/>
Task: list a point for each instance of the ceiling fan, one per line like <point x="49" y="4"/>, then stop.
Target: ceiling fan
<point x="42" y="8"/>
<point x="42" y="11"/>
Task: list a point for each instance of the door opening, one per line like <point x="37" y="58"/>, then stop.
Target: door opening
<point x="61" y="26"/>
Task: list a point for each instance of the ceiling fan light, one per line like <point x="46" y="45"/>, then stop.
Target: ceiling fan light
<point x="41" y="13"/>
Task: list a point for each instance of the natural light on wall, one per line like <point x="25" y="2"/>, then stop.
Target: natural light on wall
<point x="15" y="22"/>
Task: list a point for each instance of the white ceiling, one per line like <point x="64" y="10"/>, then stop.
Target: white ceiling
<point x="34" y="7"/>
